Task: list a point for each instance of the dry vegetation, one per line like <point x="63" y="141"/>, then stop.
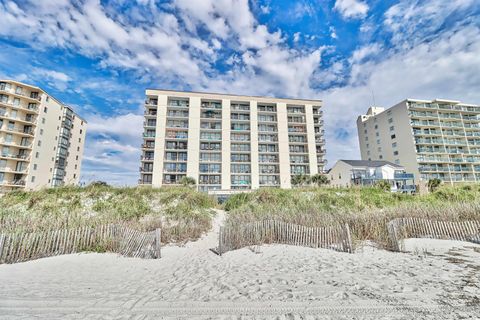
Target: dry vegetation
<point x="182" y="213"/>
<point x="366" y="210"/>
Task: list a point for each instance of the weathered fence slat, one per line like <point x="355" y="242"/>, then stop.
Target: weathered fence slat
<point x="34" y="245"/>
<point x="271" y="231"/>
<point x="424" y="228"/>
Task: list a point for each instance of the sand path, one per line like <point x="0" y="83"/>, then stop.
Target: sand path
<point x="268" y="282"/>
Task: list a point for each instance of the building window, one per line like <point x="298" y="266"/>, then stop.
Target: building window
<point x="378" y="141"/>
<point x="36" y="155"/>
<point x="35" y="166"/>
<point x="43" y="120"/>
<point x="392" y="128"/>
<point x="379" y="149"/>
<point x="397" y="161"/>
<point x="33" y="179"/>
<point x="395" y="153"/>
<point x="365" y="131"/>
<point x="394" y="145"/>
<point x="39" y="143"/>
<point x="366" y="138"/>
<point x="45" y="109"/>
<point x="376" y="126"/>
<point x="368" y="145"/>
<point x="393" y="136"/>
<point x="41" y="131"/>
<point x="380" y="157"/>
<point x="377" y="134"/>
<point x="368" y="152"/>
<point x="390" y="120"/>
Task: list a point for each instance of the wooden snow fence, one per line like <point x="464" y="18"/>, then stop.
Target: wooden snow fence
<point x="270" y="231"/>
<point x="120" y="239"/>
<point x="403" y="228"/>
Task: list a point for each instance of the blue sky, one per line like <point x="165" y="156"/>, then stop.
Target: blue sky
<point x="99" y="56"/>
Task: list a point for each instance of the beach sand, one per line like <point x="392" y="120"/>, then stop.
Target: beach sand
<point x="437" y="279"/>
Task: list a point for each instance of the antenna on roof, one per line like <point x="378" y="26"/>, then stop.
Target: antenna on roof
<point x="373" y="98"/>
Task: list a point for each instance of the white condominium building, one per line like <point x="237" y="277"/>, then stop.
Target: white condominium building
<point x="432" y="139"/>
<point x="41" y="140"/>
<point x="229" y="142"/>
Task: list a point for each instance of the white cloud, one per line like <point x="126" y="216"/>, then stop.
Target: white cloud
<point x="112" y="148"/>
<point x="411" y="21"/>
<point x="296" y="36"/>
<point x="439" y="69"/>
<point x="351" y="9"/>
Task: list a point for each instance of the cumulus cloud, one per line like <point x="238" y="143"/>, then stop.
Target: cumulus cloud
<point x="112" y="149"/>
<point x="440" y="69"/>
<point x="351" y="9"/>
<point x="182" y="46"/>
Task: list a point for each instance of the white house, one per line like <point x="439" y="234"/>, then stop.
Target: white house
<point x="346" y="173"/>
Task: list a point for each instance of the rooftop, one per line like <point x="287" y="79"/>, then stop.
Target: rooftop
<point x="370" y="163"/>
<point x="218" y="95"/>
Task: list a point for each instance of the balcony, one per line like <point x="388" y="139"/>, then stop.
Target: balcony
<point x="149" y="135"/>
<point x="14" y="170"/>
<point x="143" y="182"/>
<point x="151" y="102"/>
<point x="403" y="176"/>
<point x="146" y="158"/>
<point x="15" y="156"/>
<point x="148" y="146"/>
<point x="146" y="170"/>
<point x="27" y="132"/>
<point x="32" y="96"/>
<point x="13" y="183"/>
<point x="16" y="144"/>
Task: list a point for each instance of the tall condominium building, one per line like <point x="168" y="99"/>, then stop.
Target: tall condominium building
<point x="41" y="139"/>
<point x="432" y="139"/>
<point x="229" y="142"/>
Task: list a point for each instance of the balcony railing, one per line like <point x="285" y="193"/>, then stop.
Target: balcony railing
<point x="14" y="156"/>
<point x="13" y="183"/>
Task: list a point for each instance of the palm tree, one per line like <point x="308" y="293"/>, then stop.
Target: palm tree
<point x="319" y="179"/>
<point x="188" y="181"/>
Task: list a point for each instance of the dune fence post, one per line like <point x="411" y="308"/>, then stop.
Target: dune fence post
<point x="349" y="239"/>
<point x="158" y="242"/>
<point x="2" y="245"/>
<point x="392" y="232"/>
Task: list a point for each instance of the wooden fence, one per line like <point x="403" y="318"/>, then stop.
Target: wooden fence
<point x="20" y="247"/>
<point x="403" y="228"/>
<point x="269" y="231"/>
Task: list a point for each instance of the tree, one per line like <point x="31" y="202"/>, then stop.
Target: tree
<point x="319" y="179"/>
<point x="433" y="184"/>
<point x="300" y="180"/>
<point x="383" y="185"/>
<point x="188" y="181"/>
<point x="99" y="184"/>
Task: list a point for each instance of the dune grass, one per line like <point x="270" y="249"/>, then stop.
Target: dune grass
<point x="366" y="210"/>
<point x="182" y="213"/>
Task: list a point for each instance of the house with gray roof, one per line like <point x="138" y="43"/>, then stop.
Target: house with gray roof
<point x="347" y="173"/>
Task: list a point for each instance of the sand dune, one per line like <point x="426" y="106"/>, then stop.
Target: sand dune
<point x="437" y="280"/>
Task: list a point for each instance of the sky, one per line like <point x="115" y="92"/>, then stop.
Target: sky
<point x="100" y="56"/>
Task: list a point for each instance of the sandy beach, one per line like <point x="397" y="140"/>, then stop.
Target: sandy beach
<point x="437" y="279"/>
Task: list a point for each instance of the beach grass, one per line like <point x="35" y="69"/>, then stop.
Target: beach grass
<point x="366" y="210"/>
<point x="181" y="212"/>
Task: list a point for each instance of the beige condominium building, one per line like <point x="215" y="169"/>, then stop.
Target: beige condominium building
<point x="41" y="139"/>
<point x="229" y="142"/>
<point x="432" y="139"/>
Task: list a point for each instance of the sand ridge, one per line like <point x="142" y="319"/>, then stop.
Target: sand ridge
<point x="437" y="280"/>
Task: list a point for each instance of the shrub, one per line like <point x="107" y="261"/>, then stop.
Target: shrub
<point x="433" y="184"/>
